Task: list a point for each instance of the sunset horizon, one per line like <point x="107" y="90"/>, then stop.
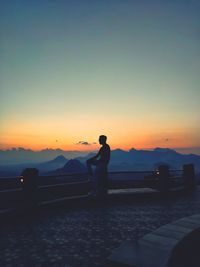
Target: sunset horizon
<point x="91" y="149"/>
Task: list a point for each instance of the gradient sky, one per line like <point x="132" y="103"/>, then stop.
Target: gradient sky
<point x="71" y="70"/>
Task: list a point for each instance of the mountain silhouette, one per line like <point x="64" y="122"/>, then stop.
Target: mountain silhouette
<point x="28" y="156"/>
<point x="72" y="166"/>
<point x="143" y="160"/>
<point x="132" y="160"/>
<point x="59" y="159"/>
<point x="43" y="167"/>
<point x="58" y="162"/>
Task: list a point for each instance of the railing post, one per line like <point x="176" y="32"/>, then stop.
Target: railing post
<point x="164" y="182"/>
<point x="189" y="176"/>
<point x="29" y="179"/>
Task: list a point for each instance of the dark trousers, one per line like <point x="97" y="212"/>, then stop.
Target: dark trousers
<point x="100" y="177"/>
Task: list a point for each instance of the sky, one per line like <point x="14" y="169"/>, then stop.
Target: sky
<point x="72" y="70"/>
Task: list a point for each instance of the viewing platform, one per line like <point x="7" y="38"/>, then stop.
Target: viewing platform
<point x="68" y="228"/>
<point x="87" y="235"/>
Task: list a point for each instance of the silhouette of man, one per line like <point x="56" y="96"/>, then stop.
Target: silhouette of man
<point x="100" y="160"/>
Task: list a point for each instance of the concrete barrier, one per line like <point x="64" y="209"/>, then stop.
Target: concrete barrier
<point x="160" y="248"/>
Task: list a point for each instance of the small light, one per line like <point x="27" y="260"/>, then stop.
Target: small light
<point x="157" y="172"/>
<point x="22" y="179"/>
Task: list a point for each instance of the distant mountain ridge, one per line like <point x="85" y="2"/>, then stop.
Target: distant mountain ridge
<point x="72" y="166"/>
<point x="58" y="162"/>
<point x="132" y="160"/>
<point x="149" y="159"/>
<point x="16" y="169"/>
<point x="22" y="156"/>
<point x="141" y="160"/>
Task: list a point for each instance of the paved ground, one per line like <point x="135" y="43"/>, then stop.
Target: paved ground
<point x="86" y="236"/>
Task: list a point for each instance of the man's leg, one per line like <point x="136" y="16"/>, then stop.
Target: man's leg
<point x="105" y="184"/>
<point x="102" y="181"/>
<point x="90" y="163"/>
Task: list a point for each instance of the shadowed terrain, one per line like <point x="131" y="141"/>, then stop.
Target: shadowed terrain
<point x="86" y="235"/>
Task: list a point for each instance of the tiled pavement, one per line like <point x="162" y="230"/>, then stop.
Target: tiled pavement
<point x="86" y="236"/>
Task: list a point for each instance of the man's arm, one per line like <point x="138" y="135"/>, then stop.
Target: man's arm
<point x="91" y="161"/>
<point x="96" y="156"/>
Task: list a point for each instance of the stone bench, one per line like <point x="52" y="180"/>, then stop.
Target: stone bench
<point x="170" y="245"/>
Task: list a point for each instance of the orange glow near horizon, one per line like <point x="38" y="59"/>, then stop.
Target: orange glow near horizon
<point x="140" y="139"/>
<point x="122" y="132"/>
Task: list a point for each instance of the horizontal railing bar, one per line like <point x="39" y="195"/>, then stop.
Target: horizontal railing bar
<point x="85" y="182"/>
<point x="48" y="186"/>
<point x="86" y="174"/>
<point x="88" y="181"/>
<point x="63" y="199"/>
<point x="10" y="177"/>
<point x="130" y="172"/>
<point x="11" y="190"/>
<point x="63" y="175"/>
<point x="63" y="184"/>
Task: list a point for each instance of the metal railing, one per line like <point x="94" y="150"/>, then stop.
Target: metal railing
<point x="54" y="187"/>
<point x="12" y="183"/>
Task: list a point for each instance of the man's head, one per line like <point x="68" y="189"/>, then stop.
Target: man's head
<point x="102" y="139"/>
